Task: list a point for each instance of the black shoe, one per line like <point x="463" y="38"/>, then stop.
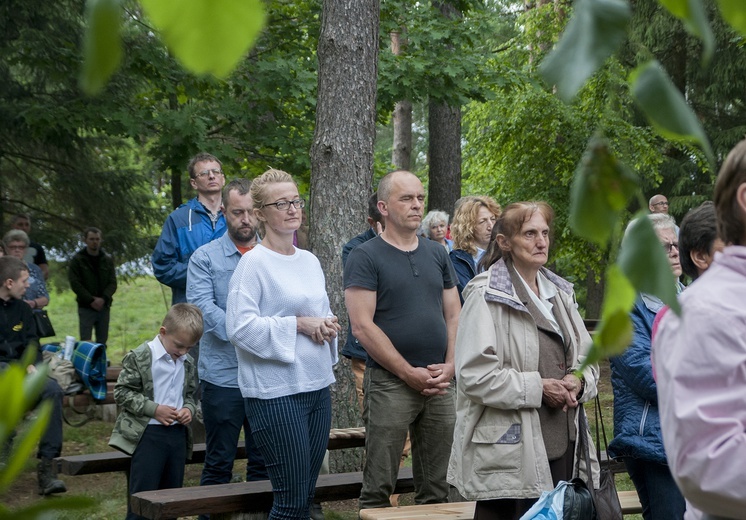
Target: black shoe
<point x="48" y="481"/>
<point x="316" y="512"/>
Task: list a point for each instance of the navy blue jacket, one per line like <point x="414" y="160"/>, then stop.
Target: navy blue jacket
<point x="637" y="429"/>
<point x="187" y="228"/>
<point x="466" y="268"/>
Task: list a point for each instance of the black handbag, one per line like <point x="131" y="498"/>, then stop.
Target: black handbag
<point x="579" y="503"/>
<point x="605" y="497"/>
<point x="44" y="328"/>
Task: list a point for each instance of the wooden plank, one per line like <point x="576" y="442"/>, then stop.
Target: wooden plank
<point x="465" y="510"/>
<point x="112" y="373"/>
<point x="247" y="496"/>
<point x="630" y="502"/>
<point x="117" y="461"/>
<point x="453" y="511"/>
<point x="82" y="400"/>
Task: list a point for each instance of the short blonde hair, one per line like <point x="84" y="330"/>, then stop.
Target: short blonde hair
<point x="259" y="189"/>
<point x="465" y="220"/>
<point x="186" y="317"/>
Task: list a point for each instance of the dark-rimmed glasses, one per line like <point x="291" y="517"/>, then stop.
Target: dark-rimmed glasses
<point x="282" y="205"/>
<point x="204" y="173"/>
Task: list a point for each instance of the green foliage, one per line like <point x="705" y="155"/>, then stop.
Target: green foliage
<point x="419" y="73"/>
<point x="205" y="39"/>
<point x="666" y="107"/>
<point x="102" y="45"/>
<point x="208" y="38"/>
<point x="600" y="192"/>
<point x="734" y="13"/>
<point x="615" y="329"/>
<point x="645" y="264"/>
<point x="692" y="14"/>
<point x="21" y="392"/>
<point x="593" y="34"/>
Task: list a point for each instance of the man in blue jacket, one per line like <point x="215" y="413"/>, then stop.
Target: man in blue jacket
<point x="191" y="225"/>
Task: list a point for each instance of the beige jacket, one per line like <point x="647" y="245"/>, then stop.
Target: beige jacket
<point x="498" y="450"/>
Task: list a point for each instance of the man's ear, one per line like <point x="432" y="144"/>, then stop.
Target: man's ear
<point x="701" y="259"/>
<point x="382" y="207"/>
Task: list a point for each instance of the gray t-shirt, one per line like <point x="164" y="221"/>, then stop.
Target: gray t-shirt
<point x="409" y="295"/>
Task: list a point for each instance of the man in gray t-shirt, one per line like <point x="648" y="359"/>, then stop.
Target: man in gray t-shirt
<point x="401" y="297"/>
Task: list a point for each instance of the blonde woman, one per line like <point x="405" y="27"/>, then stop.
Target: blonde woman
<point x="471" y="229"/>
<point x="279" y="320"/>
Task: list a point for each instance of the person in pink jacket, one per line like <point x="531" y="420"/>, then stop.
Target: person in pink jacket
<point x="701" y="376"/>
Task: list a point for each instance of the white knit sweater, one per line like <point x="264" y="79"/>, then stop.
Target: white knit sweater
<point x="266" y="293"/>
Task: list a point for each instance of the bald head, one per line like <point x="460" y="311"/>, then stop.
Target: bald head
<point x="658" y="204"/>
<point x="401" y="201"/>
<point x="386" y="184"/>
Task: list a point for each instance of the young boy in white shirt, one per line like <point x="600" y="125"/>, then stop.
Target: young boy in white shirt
<point x="156" y="392"/>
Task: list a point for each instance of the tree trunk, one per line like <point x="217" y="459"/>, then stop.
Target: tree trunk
<point x="401" y="155"/>
<point x="342" y="165"/>
<point x="594" y="295"/>
<point x="444" y="151"/>
<point x="444" y="146"/>
<point x="176" y="196"/>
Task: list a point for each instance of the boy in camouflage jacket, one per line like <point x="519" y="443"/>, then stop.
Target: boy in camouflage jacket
<point x="156" y="392"/>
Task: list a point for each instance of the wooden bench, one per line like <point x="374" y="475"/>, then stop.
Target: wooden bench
<point x="629" y="501"/>
<point x="465" y="510"/>
<point x="247" y="496"/>
<point x="111" y="461"/>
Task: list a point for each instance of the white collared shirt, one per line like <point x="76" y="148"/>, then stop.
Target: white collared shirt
<point x="168" y="377"/>
<point x="547" y="290"/>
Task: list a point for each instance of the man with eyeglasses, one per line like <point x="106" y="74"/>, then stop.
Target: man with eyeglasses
<point x="210" y="271"/>
<point x="191" y="225"/>
<point x="658" y="204"/>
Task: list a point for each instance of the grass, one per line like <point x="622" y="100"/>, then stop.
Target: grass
<point x="136" y="314"/>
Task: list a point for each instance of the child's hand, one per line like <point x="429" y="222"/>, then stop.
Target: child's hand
<point x="166" y="415"/>
<point x="184" y="416"/>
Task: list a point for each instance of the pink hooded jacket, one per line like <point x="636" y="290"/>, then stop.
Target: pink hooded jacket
<point x="701" y="369"/>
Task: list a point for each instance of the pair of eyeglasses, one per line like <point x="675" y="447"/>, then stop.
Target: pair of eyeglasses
<point x="668" y="247"/>
<point x="204" y="173"/>
<point x="663" y="203"/>
<point x="282" y="205"/>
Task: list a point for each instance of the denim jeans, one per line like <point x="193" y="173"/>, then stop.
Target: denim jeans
<point x="292" y="433"/>
<point x="392" y="408"/>
<point x="224" y="414"/>
<point x="659" y="496"/>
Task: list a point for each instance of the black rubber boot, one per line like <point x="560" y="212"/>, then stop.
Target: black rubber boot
<point x="48" y="481"/>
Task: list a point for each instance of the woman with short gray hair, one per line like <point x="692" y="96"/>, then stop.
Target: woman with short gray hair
<point x="435" y="227"/>
<point x="638" y="440"/>
<point x="16" y="242"/>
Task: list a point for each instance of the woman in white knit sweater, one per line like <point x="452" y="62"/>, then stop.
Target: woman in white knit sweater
<point x="278" y="318"/>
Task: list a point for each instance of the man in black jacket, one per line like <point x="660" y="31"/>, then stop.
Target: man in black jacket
<point x="17" y="333"/>
<point x="93" y="279"/>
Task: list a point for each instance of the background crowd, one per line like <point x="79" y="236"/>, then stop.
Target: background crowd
<point x="429" y="303"/>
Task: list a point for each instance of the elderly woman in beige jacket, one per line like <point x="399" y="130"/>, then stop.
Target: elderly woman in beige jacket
<point x="520" y="340"/>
